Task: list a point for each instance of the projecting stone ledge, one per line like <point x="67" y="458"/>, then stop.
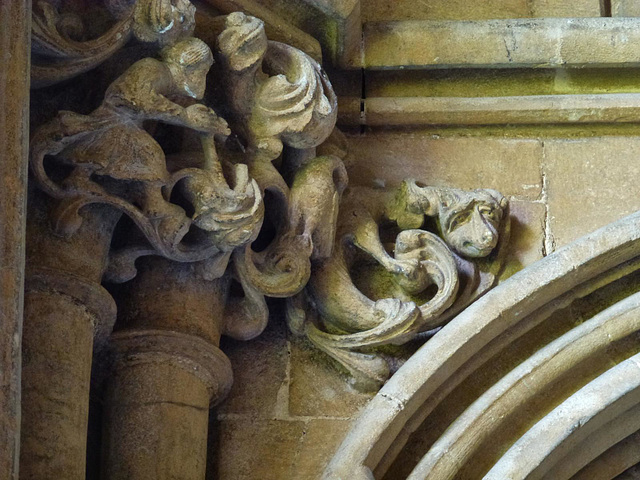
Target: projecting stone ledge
<point x="513" y="110"/>
<point x="545" y="42"/>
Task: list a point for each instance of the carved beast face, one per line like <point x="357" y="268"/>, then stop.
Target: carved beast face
<point x="470" y="221"/>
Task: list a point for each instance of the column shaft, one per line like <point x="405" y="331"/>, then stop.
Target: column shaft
<point x="15" y="46"/>
<point x="64" y="305"/>
<point x="167" y="371"/>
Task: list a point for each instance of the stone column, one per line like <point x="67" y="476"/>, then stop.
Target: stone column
<point x="168" y="370"/>
<point x="15" y="47"/>
<point x="64" y="305"/>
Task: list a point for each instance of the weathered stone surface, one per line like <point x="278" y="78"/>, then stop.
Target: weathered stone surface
<point x="320" y="440"/>
<point x="166" y="369"/>
<point x="490" y="82"/>
<point x="560" y="8"/>
<point x="57" y="349"/>
<point x="317" y="389"/>
<point x="335" y="23"/>
<point x="259" y="370"/>
<point x="501" y="43"/>
<point x="381" y="10"/>
<point x="15" y="25"/>
<point x="389" y="157"/>
<point x="252" y="449"/>
<point x="65" y="307"/>
<point x="392" y="308"/>
<point x="526" y="244"/>
<point x="511" y="110"/>
<point x="490" y="325"/>
<point x="591" y="182"/>
<point x="278" y="28"/>
<point x="155" y="422"/>
<point x="625" y="8"/>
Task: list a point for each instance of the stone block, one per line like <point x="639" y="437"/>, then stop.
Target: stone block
<point x="259" y="369"/>
<point x="318" y="388"/>
<point x="511" y="166"/>
<point x="510" y="110"/>
<point x="550" y="42"/>
<point x="256" y="450"/>
<point x="379" y="10"/>
<point x="591" y="182"/>
<point x="321" y="439"/>
<point x="562" y="8"/>
<point x="526" y="244"/>
<point x="625" y="8"/>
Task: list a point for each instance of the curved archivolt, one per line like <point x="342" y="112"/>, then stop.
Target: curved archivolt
<point x="539" y="379"/>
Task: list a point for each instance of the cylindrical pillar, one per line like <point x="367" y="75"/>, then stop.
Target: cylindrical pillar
<point x="168" y="370"/>
<point x="64" y="305"/>
<point x="15" y="46"/>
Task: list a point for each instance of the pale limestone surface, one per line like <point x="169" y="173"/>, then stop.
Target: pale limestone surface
<point x="290" y="406"/>
<point x="511" y="166"/>
<point x="590" y="183"/>
<point x="540" y="42"/>
<point x="487" y="328"/>
<point x="540" y="216"/>
<point x="381" y="10"/>
<point x="625" y="8"/>
<point x="162" y="367"/>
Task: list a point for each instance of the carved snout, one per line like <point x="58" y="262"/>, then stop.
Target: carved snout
<point x="483" y="238"/>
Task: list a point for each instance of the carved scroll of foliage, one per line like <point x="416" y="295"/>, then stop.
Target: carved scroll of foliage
<point x="307" y="229"/>
<point x="61" y="51"/>
<point x="428" y="279"/>
<point x="279" y="96"/>
<point x="275" y="98"/>
<point x="277" y="93"/>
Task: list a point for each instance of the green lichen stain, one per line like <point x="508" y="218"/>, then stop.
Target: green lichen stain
<point x="501" y="82"/>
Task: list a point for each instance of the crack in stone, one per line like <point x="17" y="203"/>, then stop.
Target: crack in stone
<point x="549" y="243"/>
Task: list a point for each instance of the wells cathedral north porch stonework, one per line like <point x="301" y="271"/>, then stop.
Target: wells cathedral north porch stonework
<point x="300" y="239"/>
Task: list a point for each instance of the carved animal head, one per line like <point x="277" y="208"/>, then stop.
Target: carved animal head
<point x="469" y="221"/>
<point x="243" y="41"/>
<point x="162" y="21"/>
<point x="189" y="61"/>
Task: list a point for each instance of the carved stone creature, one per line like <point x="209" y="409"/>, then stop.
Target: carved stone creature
<point x="349" y="323"/>
<point x="60" y="51"/>
<point x="279" y="97"/>
<point x="467" y="221"/>
<point x="278" y="94"/>
<point x="114" y="160"/>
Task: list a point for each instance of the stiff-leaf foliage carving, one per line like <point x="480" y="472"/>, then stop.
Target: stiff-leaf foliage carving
<point x="427" y="278"/>
<point x="210" y="149"/>
<point x="205" y="202"/>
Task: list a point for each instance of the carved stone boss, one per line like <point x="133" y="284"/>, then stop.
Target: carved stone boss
<point x="245" y="208"/>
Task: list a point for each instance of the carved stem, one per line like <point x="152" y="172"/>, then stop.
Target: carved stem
<point x="211" y="161"/>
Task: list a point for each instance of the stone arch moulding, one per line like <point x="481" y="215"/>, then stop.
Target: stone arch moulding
<point x="588" y="378"/>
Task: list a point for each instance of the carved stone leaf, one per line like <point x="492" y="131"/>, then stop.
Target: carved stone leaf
<point x="60" y="57"/>
<point x="350" y="321"/>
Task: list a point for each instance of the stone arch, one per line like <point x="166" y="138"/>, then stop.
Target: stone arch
<point x="569" y="407"/>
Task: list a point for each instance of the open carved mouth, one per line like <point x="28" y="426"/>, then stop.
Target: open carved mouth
<point x="472" y="250"/>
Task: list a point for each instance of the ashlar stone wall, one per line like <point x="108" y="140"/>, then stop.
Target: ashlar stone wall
<point x="290" y="406"/>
